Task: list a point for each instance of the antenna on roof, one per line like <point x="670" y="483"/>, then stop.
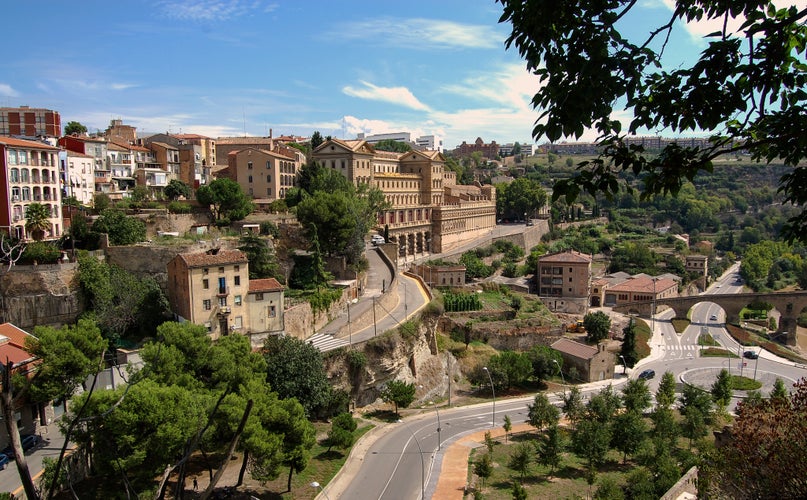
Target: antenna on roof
<point x="244" y="112"/>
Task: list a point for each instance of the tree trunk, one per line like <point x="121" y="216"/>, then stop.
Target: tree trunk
<point x="243" y="468"/>
<point x="291" y="471"/>
<point x="233" y="444"/>
<point x="7" y="402"/>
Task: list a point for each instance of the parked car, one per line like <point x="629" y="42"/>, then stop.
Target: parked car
<point x="3" y="461"/>
<point x="377" y="239"/>
<point x="29" y="441"/>
<point x="751" y="354"/>
<point x="647" y="374"/>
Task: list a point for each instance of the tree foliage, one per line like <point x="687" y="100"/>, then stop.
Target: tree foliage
<point x="176" y="189"/>
<point x="226" y="200"/>
<point x="294" y="370"/>
<point x="399" y="393"/>
<point x="766" y="455"/>
<point x="722" y="389"/>
<point x="746" y="89"/>
<point x="522" y="196"/>
<point x="74" y="127"/>
<point x="597" y="324"/>
<point x="262" y="260"/>
<point x="509" y="368"/>
<point x="541" y="413"/>
<point x="37" y="220"/>
<point x="121" y="228"/>
<point x="628" y="350"/>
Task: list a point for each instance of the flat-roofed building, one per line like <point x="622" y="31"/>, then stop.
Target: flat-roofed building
<point x="564" y="281"/>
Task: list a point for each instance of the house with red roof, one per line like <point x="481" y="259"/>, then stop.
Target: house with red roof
<point x="213" y="289"/>
<point x="585" y="362"/>
<point x="12" y="349"/>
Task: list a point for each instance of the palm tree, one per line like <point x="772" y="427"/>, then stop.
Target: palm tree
<point x="37" y="220"/>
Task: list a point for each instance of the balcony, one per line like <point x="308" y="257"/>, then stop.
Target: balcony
<point x="224" y="310"/>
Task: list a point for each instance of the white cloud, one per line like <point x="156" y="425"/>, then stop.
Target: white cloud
<point x="7" y="90"/>
<point x="93" y="85"/>
<point x="212" y="10"/>
<point x="401" y="96"/>
<point x="423" y="34"/>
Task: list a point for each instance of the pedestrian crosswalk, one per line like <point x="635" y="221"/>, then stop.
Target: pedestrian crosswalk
<point x="326" y="342"/>
<point x="690" y="347"/>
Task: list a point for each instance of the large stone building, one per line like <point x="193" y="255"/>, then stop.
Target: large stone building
<point x="29" y="173"/>
<point x="213" y="289"/>
<point x="488" y="150"/>
<point x="641" y="288"/>
<point x="564" y="281"/>
<point x="429" y="211"/>
<point x="264" y="174"/>
<point x="584" y="362"/>
<point x="30" y="122"/>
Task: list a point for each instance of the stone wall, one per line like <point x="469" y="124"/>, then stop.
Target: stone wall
<point x="40" y="295"/>
<point x="300" y="321"/>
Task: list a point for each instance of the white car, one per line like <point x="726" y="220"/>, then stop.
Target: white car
<point x="377" y="239"/>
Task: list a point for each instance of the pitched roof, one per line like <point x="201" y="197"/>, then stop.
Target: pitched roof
<point x="15" y="334"/>
<point x="222" y="141"/>
<point x="22" y="143"/>
<point x="644" y="284"/>
<point x="575" y="349"/>
<point x="213" y="257"/>
<point x="265" y="285"/>
<point x="566" y="257"/>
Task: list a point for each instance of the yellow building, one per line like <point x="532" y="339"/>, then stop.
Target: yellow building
<point x="563" y="281"/>
<point x="429" y="211"/>
<point x="264" y="174"/>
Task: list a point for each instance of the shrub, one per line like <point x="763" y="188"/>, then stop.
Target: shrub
<point x="270" y="229"/>
<point x="177" y="207"/>
<point x="456" y="302"/>
<point x="41" y="252"/>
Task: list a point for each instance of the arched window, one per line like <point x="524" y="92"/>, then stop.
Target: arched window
<point x="24" y="175"/>
<point x="14" y="175"/>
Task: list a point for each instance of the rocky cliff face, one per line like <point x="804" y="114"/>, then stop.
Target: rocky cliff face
<point x="412" y="358"/>
<point x="40" y="295"/>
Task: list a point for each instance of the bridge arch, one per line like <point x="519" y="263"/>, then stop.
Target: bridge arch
<point x="788" y="304"/>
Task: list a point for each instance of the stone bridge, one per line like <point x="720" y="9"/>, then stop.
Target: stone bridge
<point x="788" y="304"/>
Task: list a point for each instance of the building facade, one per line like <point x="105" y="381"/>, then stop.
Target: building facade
<point x="641" y="288"/>
<point x="429" y="212"/>
<point x="488" y="150"/>
<point x="30" y="122"/>
<point x="590" y="363"/>
<point x="29" y="173"/>
<point x="264" y="174"/>
<point x="78" y="172"/>
<point x="564" y="280"/>
<point x="213" y="289"/>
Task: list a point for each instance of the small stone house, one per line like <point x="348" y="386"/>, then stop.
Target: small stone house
<point x="591" y="363"/>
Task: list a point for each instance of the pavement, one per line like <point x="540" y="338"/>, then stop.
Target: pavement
<point x="50" y="446"/>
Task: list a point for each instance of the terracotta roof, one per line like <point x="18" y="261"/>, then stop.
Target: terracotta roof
<point x="16" y="335"/>
<point x="575" y="349"/>
<point x="644" y="284"/>
<point x="10" y="352"/>
<point x="75" y="154"/>
<point x="265" y="285"/>
<point x="190" y="136"/>
<point x="164" y="145"/>
<point x="221" y="141"/>
<point x="213" y="257"/>
<point x="567" y="256"/>
<point x="22" y="143"/>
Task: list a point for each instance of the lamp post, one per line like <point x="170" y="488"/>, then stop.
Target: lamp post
<point x="493" y="391"/>
<point x="624" y="364"/>
<point x="316" y="485"/>
<point x="349" y="331"/>
<point x="562" y="378"/>
<point x="438" y="420"/>
<point x="653" y="312"/>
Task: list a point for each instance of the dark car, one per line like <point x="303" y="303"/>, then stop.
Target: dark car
<point x="29" y="441"/>
<point x="751" y="354"/>
<point x="3" y="461"/>
<point x="647" y="374"/>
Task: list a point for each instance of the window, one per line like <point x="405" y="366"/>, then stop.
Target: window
<point x="206" y="304"/>
<point x="204" y="271"/>
<point x="237" y="268"/>
<point x="209" y="326"/>
<point x="249" y="165"/>
<point x="15" y="175"/>
<point x="237" y="322"/>
<point x="237" y="300"/>
<point x="237" y="280"/>
<point x="223" y="301"/>
<point x="272" y="311"/>
<point x="221" y="270"/>
<point x="268" y="178"/>
<point x="250" y="178"/>
<point x="205" y="284"/>
<point x="222" y="285"/>
<point x="259" y="296"/>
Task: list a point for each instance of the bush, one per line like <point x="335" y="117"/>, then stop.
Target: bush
<point x="41" y="252"/>
<point x="270" y="229"/>
<point x="177" y="207"/>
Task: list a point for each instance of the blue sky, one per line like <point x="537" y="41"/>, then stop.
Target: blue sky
<point x="235" y="67"/>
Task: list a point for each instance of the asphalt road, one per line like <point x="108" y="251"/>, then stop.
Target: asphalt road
<point x="406" y="459"/>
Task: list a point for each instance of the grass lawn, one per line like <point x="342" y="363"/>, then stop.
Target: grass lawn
<point x="680" y="324"/>
<point x="322" y="468"/>
<point x="716" y="352"/>
<point x="567" y="481"/>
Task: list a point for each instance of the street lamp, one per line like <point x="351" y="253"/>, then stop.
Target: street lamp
<point x="624" y="364"/>
<point x="349" y="331"/>
<point x="316" y="485"/>
<point x="438" y="421"/>
<point x="493" y="391"/>
<point x="562" y="378"/>
<point x="422" y="465"/>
